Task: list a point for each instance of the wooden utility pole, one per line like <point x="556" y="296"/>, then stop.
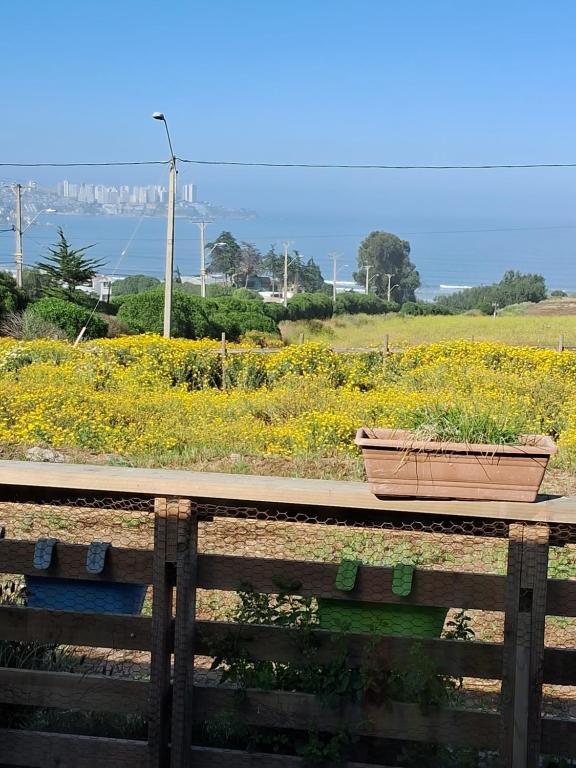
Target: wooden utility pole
<point x="18" y="255"/>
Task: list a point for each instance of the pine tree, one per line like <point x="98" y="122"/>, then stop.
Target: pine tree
<point x="67" y="268"/>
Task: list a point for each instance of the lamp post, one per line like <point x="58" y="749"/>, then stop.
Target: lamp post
<point x="389" y="287"/>
<point x="371" y="279"/>
<point x="169" y="274"/>
<point x="368" y="268"/>
<point x="334" y="274"/>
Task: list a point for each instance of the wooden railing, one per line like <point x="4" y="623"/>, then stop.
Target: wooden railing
<point x="172" y="701"/>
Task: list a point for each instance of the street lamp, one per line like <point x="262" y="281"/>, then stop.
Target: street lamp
<point x="334" y="274"/>
<point x="390" y="287"/>
<point x="369" y="281"/>
<point x="169" y="232"/>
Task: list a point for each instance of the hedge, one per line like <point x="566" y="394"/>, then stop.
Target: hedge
<point x="69" y="317"/>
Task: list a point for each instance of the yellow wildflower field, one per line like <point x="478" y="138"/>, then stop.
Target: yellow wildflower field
<point x="142" y="396"/>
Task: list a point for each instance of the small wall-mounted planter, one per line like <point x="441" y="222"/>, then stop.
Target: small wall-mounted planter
<point x="84" y="595"/>
<point x="90" y="595"/>
<point x="398" y="464"/>
<point x="379" y="618"/>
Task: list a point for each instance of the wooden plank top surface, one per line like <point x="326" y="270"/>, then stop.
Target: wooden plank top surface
<point x="246" y="489"/>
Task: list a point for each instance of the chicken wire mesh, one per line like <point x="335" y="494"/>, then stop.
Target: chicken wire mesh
<point x="397" y="702"/>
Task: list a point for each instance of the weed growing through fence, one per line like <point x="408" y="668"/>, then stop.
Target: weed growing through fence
<point x="333" y="681"/>
<point x="52" y="657"/>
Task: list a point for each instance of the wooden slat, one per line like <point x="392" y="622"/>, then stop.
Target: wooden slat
<point x="561" y="597"/>
<point x="559" y="666"/>
<point x="484" y="591"/>
<point x="133" y="566"/>
<point x="206" y="757"/>
<point x="558" y="737"/>
<point x="451" y="657"/>
<point x="374" y="584"/>
<point x="94" y="630"/>
<point x="227" y="572"/>
<point x="65" y="690"/>
<point x="34" y="749"/>
<point x="239" y="489"/>
<point x="394" y="720"/>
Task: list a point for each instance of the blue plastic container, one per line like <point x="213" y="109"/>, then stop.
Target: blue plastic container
<point x="84" y="595"/>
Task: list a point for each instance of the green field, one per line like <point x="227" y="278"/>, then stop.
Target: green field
<point x="370" y="330"/>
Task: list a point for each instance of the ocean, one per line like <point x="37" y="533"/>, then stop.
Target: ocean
<point x="449" y="253"/>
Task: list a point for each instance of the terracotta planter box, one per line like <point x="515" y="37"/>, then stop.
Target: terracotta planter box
<point x="397" y="464"/>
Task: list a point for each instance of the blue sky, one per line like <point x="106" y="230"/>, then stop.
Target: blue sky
<point x="389" y="81"/>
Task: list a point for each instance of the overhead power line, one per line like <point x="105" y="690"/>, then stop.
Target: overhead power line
<point x="83" y="165"/>
<point x="350" y="166"/>
<point x="382" y="167"/>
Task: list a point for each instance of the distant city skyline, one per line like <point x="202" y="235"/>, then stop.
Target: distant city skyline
<point x="85" y="192"/>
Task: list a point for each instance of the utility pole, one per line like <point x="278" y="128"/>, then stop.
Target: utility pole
<point x="334" y="258"/>
<point x="169" y="275"/>
<point x="389" y="281"/>
<point x="368" y="266"/>
<point x="285" y="293"/>
<point x="18" y="255"/>
<point x="202" y="225"/>
<point x="168" y="278"/>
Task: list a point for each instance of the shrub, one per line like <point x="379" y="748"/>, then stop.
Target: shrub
<point x="234" y="324"/>
<point x="246" y="293"/>
<point x="27" y="326"/>
<point x="276" y="311"/>
<point x="12" y="299"/>
<point x="144" y="313"/>
<point x="69" y="317"/>
<point x="351" y="303"/>
<point x="134" y="284"/>
<point x="261" y="339"/>
<point x="307" y="306"/>
<point x="411" y="308"/>
<point x="116" y="327"/>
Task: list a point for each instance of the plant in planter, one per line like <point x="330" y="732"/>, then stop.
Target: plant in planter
<point x="394" y="618"/>
<point x="334" y="682"/>
<point x="448" y="452"/>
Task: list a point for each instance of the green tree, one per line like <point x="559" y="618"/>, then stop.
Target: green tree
<point x="11" y="298"/>
<point x="34" y="283"/>
<point x="226" y="258"/>
<point x="311" y="279"/>
<point x="134" y="284"/>
<point x="386" y="253"/>
<point x="250" y="262"/>
<point x="273" y="264"/>
<point x="514" y="288"/>
<point x="67" y="268"/>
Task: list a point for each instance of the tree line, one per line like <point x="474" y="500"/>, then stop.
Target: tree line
<point x="51" y="300"/>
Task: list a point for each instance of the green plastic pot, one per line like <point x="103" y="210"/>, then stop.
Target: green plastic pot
<point x="379" y="618"/>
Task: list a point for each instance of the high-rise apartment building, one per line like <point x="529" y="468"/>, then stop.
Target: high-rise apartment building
<point x="189" y="193"/>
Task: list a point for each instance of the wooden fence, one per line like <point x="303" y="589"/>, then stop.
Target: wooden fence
<point x="173" y="701"/>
